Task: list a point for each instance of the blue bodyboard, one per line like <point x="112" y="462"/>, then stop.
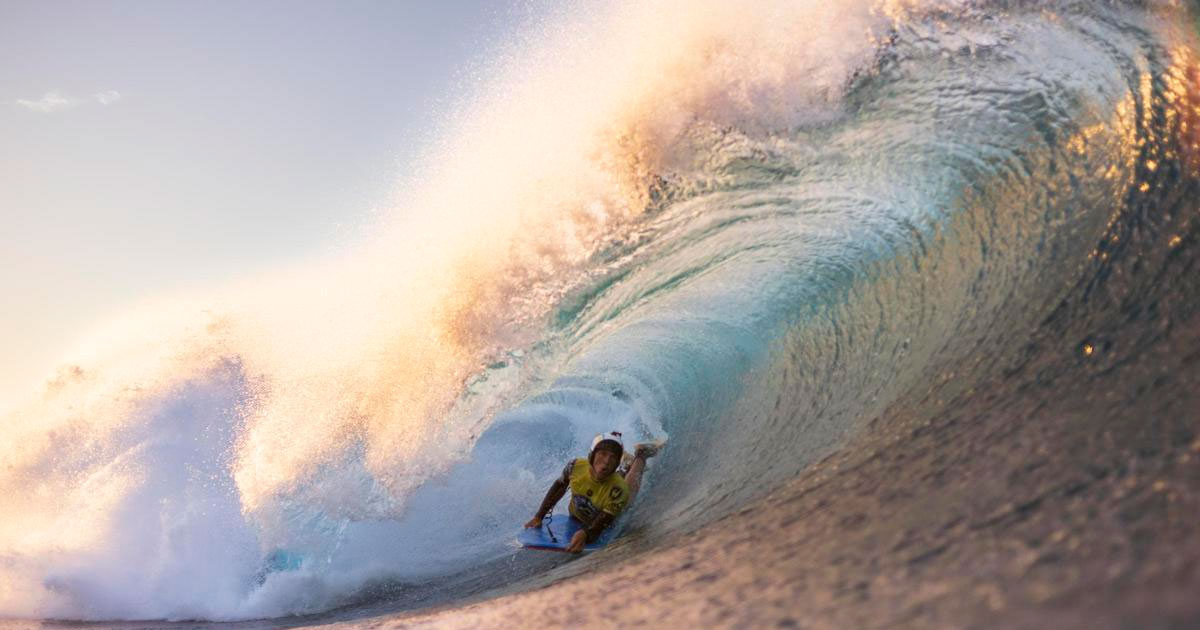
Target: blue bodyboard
<point x="556" y="532"/>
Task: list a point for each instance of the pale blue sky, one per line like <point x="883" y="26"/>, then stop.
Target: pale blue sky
<point x="151" y="146"/>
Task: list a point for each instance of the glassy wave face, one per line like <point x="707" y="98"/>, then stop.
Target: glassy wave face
<point x="747" y="230"/>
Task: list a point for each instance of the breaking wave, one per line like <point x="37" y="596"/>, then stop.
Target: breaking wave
<point x="743" y="230"/>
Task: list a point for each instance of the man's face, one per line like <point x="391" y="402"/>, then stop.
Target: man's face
<point x="604" y="463"/>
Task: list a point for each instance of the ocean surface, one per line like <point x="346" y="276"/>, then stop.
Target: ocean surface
<point x="779" y="236"/>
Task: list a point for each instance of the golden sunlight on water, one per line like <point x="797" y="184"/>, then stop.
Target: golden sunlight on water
<point x="1183" y="100"/>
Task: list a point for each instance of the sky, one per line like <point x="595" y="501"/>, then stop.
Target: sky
<point x="148" y="147"/>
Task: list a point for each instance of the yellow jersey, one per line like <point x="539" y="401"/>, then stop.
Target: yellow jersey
<point x="590" y="497"/>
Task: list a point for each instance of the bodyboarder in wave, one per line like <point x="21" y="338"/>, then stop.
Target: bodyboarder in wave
<point x="600" y="489"/>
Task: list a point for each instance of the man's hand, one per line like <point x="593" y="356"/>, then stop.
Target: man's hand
<point x="577" y="542"/>
<point x="534" y="523"/>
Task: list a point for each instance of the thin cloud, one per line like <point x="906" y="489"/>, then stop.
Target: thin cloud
<point x="108" y="98"/>
<point x="56" y="102"/>
<point x="49" y="103"/>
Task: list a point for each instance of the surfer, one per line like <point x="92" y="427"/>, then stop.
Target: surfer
<point x="600" y="491"/>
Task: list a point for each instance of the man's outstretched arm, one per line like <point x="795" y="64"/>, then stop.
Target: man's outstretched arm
<point x="553" y="495"/>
